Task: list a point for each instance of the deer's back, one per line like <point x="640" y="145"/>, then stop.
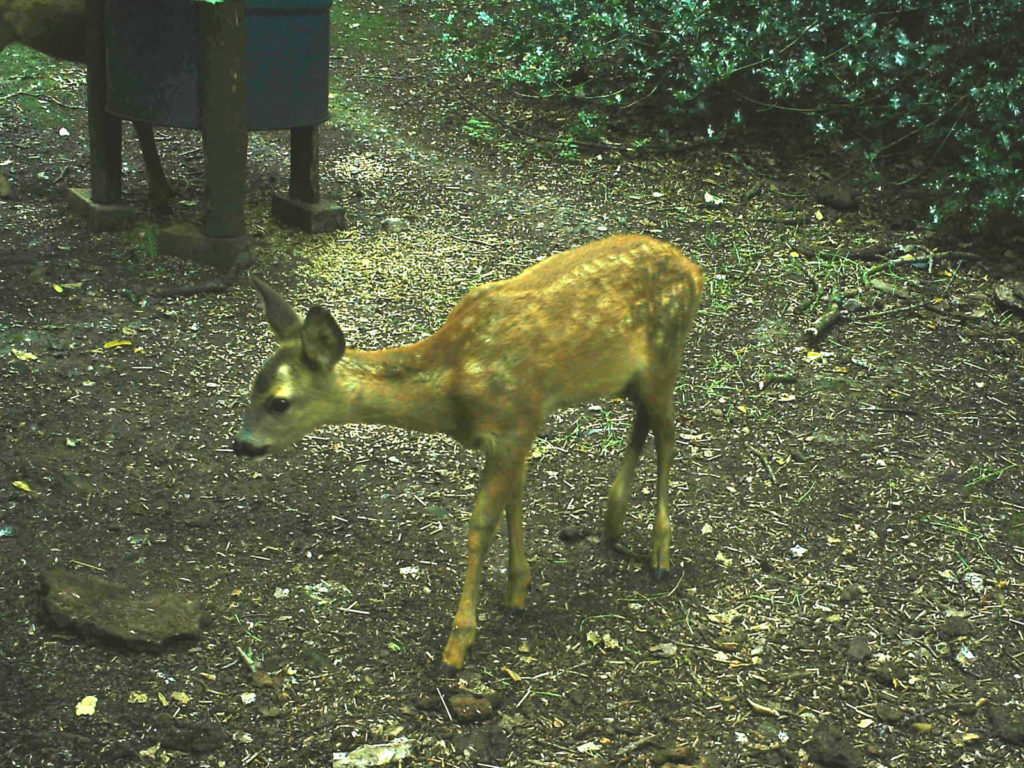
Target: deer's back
<point x="579" y="325"/>
<point x="54" y="27"/>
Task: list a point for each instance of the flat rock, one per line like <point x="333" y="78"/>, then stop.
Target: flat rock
<point x="829" y="747"/>
<point x="859" y="648"/>
<point x="486" y="745"/>
<point x="1009" y="294"/>
<point x="954" y="627"/>
<point x="1007" y="723"/>
<point x="96" y="607"/>
<point x="197" y="737"/>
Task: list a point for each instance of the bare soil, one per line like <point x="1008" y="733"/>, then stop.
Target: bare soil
<point x="849" y="546"/>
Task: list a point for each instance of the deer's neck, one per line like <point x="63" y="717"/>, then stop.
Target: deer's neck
<point x="402" y="387"/>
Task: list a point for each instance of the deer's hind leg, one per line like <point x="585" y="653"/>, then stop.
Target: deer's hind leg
<point x="618" y="496"/>
<point x="661" y="408"/>
<point x="518" y="566"/>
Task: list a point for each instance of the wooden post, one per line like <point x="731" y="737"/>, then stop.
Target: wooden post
<point x="100" y="205"/>
<point x="222" y="84"/>
<point x="304" y="182"/>
<point x="104" y="128"/>
<point x="302" y="206"/>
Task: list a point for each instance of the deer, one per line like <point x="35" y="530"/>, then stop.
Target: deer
<point x="57" y="28"/>
<point x="607" y="319"/>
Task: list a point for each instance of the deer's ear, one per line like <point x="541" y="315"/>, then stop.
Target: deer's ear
<point x="323" y="342"/>
<point x="282" y="318"/>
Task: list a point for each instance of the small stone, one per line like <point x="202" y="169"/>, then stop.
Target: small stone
<point x="573" y="533"/>
<point x="887" y="674"/>
<point x="682" y="754"/>
<point x="470" y="708"/>
<point x="954" y="627"/>
<point x="1008" y="724"/>
<point x="197" y="737"/>
<point x="887" y="713"/>
<point x="837" y="195"/>
<point x="850" y="592"/>
<point x="262" y="679"/>
<point x="969" y="707"/>
<point x="394" y="224"/>
<point x="486" y="745"/>
<point x="922" y="727"/>
<point x="859" y="649"/>
<point x="664" y="650"/>
<point x="1009" y="295"/>
<point x="830" y="748"/>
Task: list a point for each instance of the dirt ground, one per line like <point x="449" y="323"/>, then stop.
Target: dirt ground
<point x="849" y="550"/>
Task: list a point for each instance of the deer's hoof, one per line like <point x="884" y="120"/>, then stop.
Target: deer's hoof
<point x="447" y="671"/>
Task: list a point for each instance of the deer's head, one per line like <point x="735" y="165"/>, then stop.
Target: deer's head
<point x="296" y="389"/>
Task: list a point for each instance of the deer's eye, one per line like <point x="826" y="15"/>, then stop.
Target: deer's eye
<point x="278" y="404"/>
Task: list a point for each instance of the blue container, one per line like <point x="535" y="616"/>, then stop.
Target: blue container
<point x="153" y="57"/>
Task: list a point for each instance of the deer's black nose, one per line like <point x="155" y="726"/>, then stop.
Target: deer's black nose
<point x="243" y="448"/>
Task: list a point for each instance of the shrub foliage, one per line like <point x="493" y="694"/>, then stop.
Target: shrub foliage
<point x="942" y="81"/>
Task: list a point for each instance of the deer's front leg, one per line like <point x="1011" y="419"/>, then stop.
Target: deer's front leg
<point x="501" y="477"/>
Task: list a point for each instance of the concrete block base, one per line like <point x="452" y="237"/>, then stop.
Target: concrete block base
<point x="99" y="217"/>
<point x="309" y="217"/>
<point x="190" y="242"/>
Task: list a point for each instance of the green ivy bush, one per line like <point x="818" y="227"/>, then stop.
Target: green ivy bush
<point x="941" y="82"/>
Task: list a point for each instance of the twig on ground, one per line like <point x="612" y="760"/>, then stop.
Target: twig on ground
<point x="44" y="97"/>
<point x="816" y="331"/>
<point x="909" y="258"/>
<point x="766" y="463"/>
<point x="445" y="705"/>
<point x="871" y="253"/>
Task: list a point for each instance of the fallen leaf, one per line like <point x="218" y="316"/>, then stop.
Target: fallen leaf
<point x="21" y="485"/>
<point x="21" y="354"/>
<point x="664" y="650"/>
<point x="87" y="706"/>
<point x="375" y="754"/>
